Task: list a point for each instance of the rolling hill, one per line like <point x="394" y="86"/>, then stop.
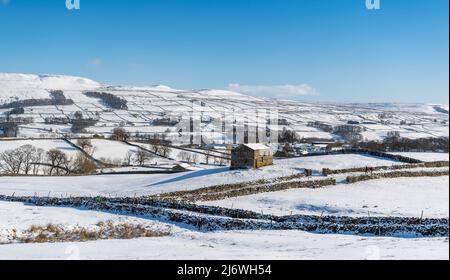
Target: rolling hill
<point x="157" y="109"/>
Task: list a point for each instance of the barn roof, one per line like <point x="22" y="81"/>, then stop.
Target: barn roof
<point x="257" y="146"/>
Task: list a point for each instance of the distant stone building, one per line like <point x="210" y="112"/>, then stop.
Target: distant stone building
<point x="182" y="167"/>
<point x="8" y="129"/>
<point x="251" y="156"/>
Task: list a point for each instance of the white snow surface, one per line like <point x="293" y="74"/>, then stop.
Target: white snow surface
<point x="239" y="245"/>
<point x="184" y="244"/>
<point x="383" y="197"/>
<point x="28" y="86"/>
<point x="126" y="185"/>
<point x="426" y="156"/>
<point x="46" y="145"/>
<point x="15" y="215"/>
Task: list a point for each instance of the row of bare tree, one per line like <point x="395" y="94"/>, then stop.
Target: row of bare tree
<point x="29" y="160"/>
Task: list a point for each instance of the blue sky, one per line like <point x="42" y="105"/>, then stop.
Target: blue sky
<point x="312" y="50"/>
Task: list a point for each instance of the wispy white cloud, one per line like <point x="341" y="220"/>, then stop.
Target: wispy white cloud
<point x="275" y="91"/>
<point x="95" y="63"/>
<point x="5" y="2"/>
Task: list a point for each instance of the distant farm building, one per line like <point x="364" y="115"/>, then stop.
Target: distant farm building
<point x="182" y="167"/>
<point x="251" y="156"/>
<point x="8" y="129"/>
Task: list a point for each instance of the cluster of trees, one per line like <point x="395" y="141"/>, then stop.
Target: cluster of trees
<point x="288" y="136"/>
<point x="21" y="120"/>
<point x="58" y="95"/>
<point x="440" y="110"/>
<point x="189" y="157"/>
<point x="120" y="134"/>
<point x="322" y="126"/>
<point x="8" y="129"/>
<point x="192" y="157"/>
<point x="157" y="146"/>
<point x="36" y="102"/>
<point x="161" y="150"/>
<point x="349" y="132"/>
<point x="165" y="122"/>
<point x="79" y="123"/>
<point x="393" y="135"/>
<point x="16" y="111"/>
<point x="400" y="144"/>
<point x="57" y="120"/>
<point x="139" y="157"/>
<point x="23" y="160"/>
<point x="155" y="138"/>
<point x="29" y="160"/>
<point x="109" y="99"/>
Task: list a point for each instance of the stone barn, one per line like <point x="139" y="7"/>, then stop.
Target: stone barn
<point x="8" y="129"/>
<point x="251" y="156"/>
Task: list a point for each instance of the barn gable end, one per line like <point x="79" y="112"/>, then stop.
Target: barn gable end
<point x="251" y="156"/>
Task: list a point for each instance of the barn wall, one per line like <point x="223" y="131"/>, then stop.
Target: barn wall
<point x="244" y="157"/>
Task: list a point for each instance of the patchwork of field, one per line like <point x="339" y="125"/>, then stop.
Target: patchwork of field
<point x="148" y="104"/>
<point x="212" y="212"/>
<point x="425" y="197"/>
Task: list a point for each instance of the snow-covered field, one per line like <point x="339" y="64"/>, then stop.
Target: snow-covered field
<point x="383" y="197"/>
<point x="146" y="104"/>
<point x="21" y="217"/>
<point x="237" y="245"/>
<point x="334" y="162"/>
<point x="150" y="107"/>
<point x="46" y="145"/>
<point x="110" y="150"/>
<point x="396" y="197"/>
<point x="426" y="156"/>
<point x="125" y="185"/>
<point x="184" y="243"/>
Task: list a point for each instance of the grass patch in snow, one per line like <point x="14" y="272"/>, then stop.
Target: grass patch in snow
<point x="101" y="231"/>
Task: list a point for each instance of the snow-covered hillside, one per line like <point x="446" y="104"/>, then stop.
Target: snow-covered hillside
<point x="21" y="86"/>
<point x="149" y="108"/>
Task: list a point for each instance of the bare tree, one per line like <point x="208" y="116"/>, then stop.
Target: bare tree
<point x="38" y="159"/>
<point x="185" y="156"/>
<point x="194" y="158"/>
<point x="120" y="134"/>
<point x="220" y="161"/>
<point x="128" y="158"/>
<point x="59" y="162"/>
<point x="208" y="155"/>
<point x="165" y="151"/>
<point x="25" y="159"/>
<point x="156" y="148"/>
<point x="28" y="154"/>
<point x="11" y="161"/>
<point x="84" y="143"/>
<point x="142" y="157"/>
<point x="83" y="164"/>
